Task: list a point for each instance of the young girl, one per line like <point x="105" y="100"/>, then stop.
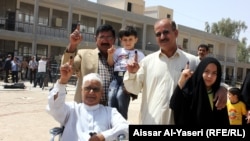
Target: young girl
<point x="192" y="101"/>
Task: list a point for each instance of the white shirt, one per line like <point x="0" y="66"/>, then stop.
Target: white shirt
<point x="156" y="79"/>
<point x="32" y="64"/>
<point x="80" y="119"/>
<point x="122" y="56"/>
<point x="41" y="66"/>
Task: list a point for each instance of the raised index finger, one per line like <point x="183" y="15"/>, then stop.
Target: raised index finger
<point x="136" y="56"/>
<point x="187" y="65"/>
<point x="78" y="26"/>
<point x="71" y="60"/>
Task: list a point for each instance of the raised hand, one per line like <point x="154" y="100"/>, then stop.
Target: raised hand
<point x="75" y="38"/>
<point x="66" y="71"/>
<point x="132" y="65"/>
<point x="185" y="75"/>
<point x="111" y="50"/>
<point x="248" y="117"/>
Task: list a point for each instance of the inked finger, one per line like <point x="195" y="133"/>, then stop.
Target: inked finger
<point x="71" y="60"/>
<point x="78" y="26"/>
<point x="136" y="56"/>
<point x="187" y="65"/>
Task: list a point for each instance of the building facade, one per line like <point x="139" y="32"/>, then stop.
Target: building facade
<point x="42" y="27"/>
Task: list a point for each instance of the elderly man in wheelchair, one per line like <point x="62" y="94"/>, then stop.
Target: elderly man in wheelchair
<point x="89" y="120"/>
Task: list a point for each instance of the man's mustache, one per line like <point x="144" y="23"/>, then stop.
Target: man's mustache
<point x="105" y="44"/>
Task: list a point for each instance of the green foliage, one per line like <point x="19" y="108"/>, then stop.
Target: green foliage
<point x="227" y="28"/>
<point x="242" y="51"/>
<point x="231" y="29"/>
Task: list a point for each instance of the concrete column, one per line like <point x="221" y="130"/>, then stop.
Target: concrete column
<point x="69" y="19"/>
<point x="16" y="51"/>
<point x="98" y="22"/>
<point x="224" y="72"/>
<point x="234" y="79"/>
<point x="34" y="42"/>
<point x="49" y="51"/>
<point x="144" y="31"/>
<point x="50" y="16"/>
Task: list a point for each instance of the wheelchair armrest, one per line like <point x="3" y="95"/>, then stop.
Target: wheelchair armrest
<point x="121" y="137"/>
<point x="56" y="130"/>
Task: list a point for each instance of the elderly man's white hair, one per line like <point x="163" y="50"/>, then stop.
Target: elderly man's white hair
<point x="92" y="76"/>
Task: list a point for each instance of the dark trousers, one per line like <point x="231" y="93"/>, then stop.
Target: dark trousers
<point x="39" y="79"/>
<point x="7" y="72"/>
<point x="50" y="76"/>
<point x="118" y="97"/>
<point x="32" y="75"/>
<point x="14" y="75"/>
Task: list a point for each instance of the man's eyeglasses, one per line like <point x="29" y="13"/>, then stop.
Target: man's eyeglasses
<point x="164" y="32"/>
<point x="94" y="89"/>
<point x="106" y="37"/>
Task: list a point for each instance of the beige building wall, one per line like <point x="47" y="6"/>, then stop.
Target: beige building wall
<point x="158" y="12"/>
<point x="137" y="6"/>
<point x="119" y="4"/>
<point x="92" y="15"/>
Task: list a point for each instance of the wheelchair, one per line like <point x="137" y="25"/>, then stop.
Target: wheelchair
<point x="57" y="131"/>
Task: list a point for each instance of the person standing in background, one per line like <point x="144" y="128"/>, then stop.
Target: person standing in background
<point x="7" y="68"/>
<point x="15" y="64"/>
<point x="236" y="108"/>
<point x="203" y="51"/>
<point x="245" y="92"/>
<point x="32" y="69"/>
<point x="24" y="69"/>
<point x="41" y="72"/>
<point x="49" y="60"/>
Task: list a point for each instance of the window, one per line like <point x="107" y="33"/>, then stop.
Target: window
<point x="185" y="43"/>
<point x="211" y="48"/>
<point x="43" y="17"/>
<point x="87" y="24"/>
<point x="41" y="50"/>
<point x="129" y="8"/>
<point x="168" y="16"/>
<point x="26" y="13"/>
<point x="25" y="48"/>
<point x="59" y="19"/>
<point x="27" y="18"/>
<point x="58" y="22"/>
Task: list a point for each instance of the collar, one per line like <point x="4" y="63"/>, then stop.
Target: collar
<point x="91" y="108"/>
<point x="176" y="54"/>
